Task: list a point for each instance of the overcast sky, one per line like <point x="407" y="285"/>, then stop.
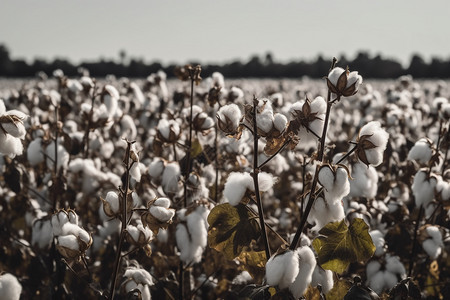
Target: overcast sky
<point x="221" y="31"/>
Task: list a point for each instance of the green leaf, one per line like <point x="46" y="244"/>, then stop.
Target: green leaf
<point x="339" y="245"/>
<point x="231" y="228"/>
<point x="253" y="262"/>
<point x="339" y="290"/>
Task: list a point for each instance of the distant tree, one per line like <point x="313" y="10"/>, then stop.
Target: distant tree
<point x="418" y="67"/>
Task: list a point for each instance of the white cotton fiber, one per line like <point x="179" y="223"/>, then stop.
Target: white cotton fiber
<point x="69" y="241"/>
<point x="63" y="156"/>
<point x="307" y="263"/>
<point x="135" y="171"/>
<point x="264" y="120"/>
<point x="162" y="214"/>
<point x="113" y="199"/>
<point x="423" y="188"/>
<point x="10" y="287"/>
<point x="421" y="151"/>
<point x="282" y="269"/>
<point x="128" y="127"/>
<point x="373" y="132"/>
<point x="334" y="75"/>
<point x="10" y="145"/>
<point x="390" y="280"/>
<point x="324" y="212"/>
<point x="395" y="266"/>
<point x="435" y="234"/>
<point x="336" y="184"/>
<point x="431" y="248"/>
<point x="183" y="242"/>
<point x="16" y="129"/>
<point x="378" y="240"/>
<point x="170" y="177"/>
<point x="376" y="282"/>
<point x="279" y="122"/>
<point x="156" y="167"/>
<point x="372" y="268"/>
<point x="162" y="202"/>
<point x="236" y="186"/>
<point x="265" y="182"/>
<point x="364" y="182"/>
<point x="230" y="113"/>
<point x="322" y="277"/>
<point x="58" y="220"/>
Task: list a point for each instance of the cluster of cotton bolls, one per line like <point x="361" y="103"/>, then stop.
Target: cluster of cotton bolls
<point x="166" y="174"/>
<point x="385" y="276"/>
<point x="294" y="270"/>
<point x="329" y="208"/>
<point x="140" y="279"/>
<point x="432" y="241"/>
<point x="192" y="231"/>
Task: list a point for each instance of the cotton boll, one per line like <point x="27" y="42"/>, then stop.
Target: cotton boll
<point x="322" y="277"/>
<point x="162" y="202"/>
<point x="42" y="234"/>
<point x="435" y="234"/>
<point x="35" y="153"/>
<point x="63" y="156"/>
<point x="184" y="243"/>
<point x="170" y="177"/>
<point x="264" y="121"/>
<point x="324" y="212"/>
<point x="135" y="171"/>
<point x="156" y="167"/>
<point x="69" y="241"/>
<point x="378" y="240"/>
<point x="443" y="188"/>
<point x="279" y="122"/>
<point x="423" y="188"/>
<point x="198" y="229"/>
<point x="113" y="200"/>
<point x="229" y="117"/>
<point x="377" y="282"/>
<point x="128" y="127"/>
<point x="110" y="97"/>
<point x="242" y="278"/>
<point x="107" y="149"/>
<point x="10" y="145"/>
<point x="334" y="75"/>
<point x="16" y="129"/>
<point x="307" y="264"/>
<point x="365" y="181"/>
<point x="431" y="248"/>
<point x="372" y="268"/>
<point x="421" y="151"/>
<point x="58" y="220"/>
<point x="236" y="186"/>
<point x="335" y="183"/>
<point x="282" y="269"/>
<point x="10" y="287"/>
<point x="265" y="182"/>
<point x="395" y="266"/>
<point x="162" y="214"/>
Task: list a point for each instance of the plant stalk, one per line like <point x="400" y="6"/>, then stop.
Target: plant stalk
<point x="414" y="248"/>
<point x="256" y="183"/>
<point x="124" y="220"/>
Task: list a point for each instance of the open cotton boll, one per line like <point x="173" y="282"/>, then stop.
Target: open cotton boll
<point x="35" y="153"/>
<point x="395" y="266"/>
<point x="229" y="117"/>
<point x="135" y="171"/>
<point x="113" y="200"/>
<point x="431" y="248"/>
<point x="372" y="268"/>
<point x="376" y="282"/>
<point x="42" y="233"/>
<point x="236" y="186"/>
<point x="279" y="122"/>
<point x="139" y="275"/>
<point x="264" y="120"/>
<point x="443" y="188"/>
<point x="63" y="156"/>
<point x="162" y="214"/>
<point x="58" y="220"/>
<point x="265" y="182"/>
<point x="421" y="151"/>
<point x="282" y="269"/>
<point x="156" y="167"/>
<point x="128" y="127"/>
<point x="322" y="277"/>
<point x="16" y="129"/>
<point x="335" y="183"/>
<point x="306" y="264"/>
<point x="10" y="287"/>
<point x="372" y="139"/>
<point x="69" y="241"/>
<point x="170" y="177"/>
<point x="10" y="145"/>
<point x="378" y="240"/>
<point x="324" y="212"/>
<point x="365" y="181"/>
<point x="131" y="285"/>
<point x="334" y="75"/>
<point x="423" y="188"/>
<point x="163" y="202"/>
<point x="435" y="234"/>
<point x="72" y="229"/>
<point x="110" y="99"/>
<point x="198" y="229"/>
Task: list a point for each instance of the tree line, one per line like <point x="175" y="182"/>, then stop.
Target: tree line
<point x="256" y="67"/>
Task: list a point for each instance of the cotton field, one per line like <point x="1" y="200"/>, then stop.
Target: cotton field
<point x="208" y="188"/>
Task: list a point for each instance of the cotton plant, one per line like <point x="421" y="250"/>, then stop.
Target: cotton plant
<point x="10" y="287"/>
<point x="432" y="242"/>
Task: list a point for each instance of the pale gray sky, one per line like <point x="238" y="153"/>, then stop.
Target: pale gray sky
<point x="220" y="31"/>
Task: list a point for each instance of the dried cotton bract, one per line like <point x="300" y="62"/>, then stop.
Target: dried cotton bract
<point x="372" y="141"/>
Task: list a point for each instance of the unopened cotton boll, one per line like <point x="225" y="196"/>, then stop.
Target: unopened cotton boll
<point x="10" y="287"/>
<point x="306" y="264"/>
<point x="423" y="188"/>
<point x="282" y="269"/>
<point x="421" y="151"/>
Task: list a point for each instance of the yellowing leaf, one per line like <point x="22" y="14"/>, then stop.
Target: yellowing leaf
<point x="253" y="262"/>
<point x="339" y="245"/>
<point x="231" y="228"/>
<point x="196" y="149"/>
<point x="339" y="290"/>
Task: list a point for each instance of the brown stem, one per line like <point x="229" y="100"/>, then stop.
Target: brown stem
<point x="124" y="220"/>
<point x="256" y="183"/>
<point x="311" y="199"/>
<point x="413" y="252"/>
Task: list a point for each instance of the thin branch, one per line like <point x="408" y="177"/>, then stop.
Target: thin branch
<point x="124" y="220"/>
<point x="413" y="252"/>
<point x="275" y="154"/>
<point x="256" y="183"/>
